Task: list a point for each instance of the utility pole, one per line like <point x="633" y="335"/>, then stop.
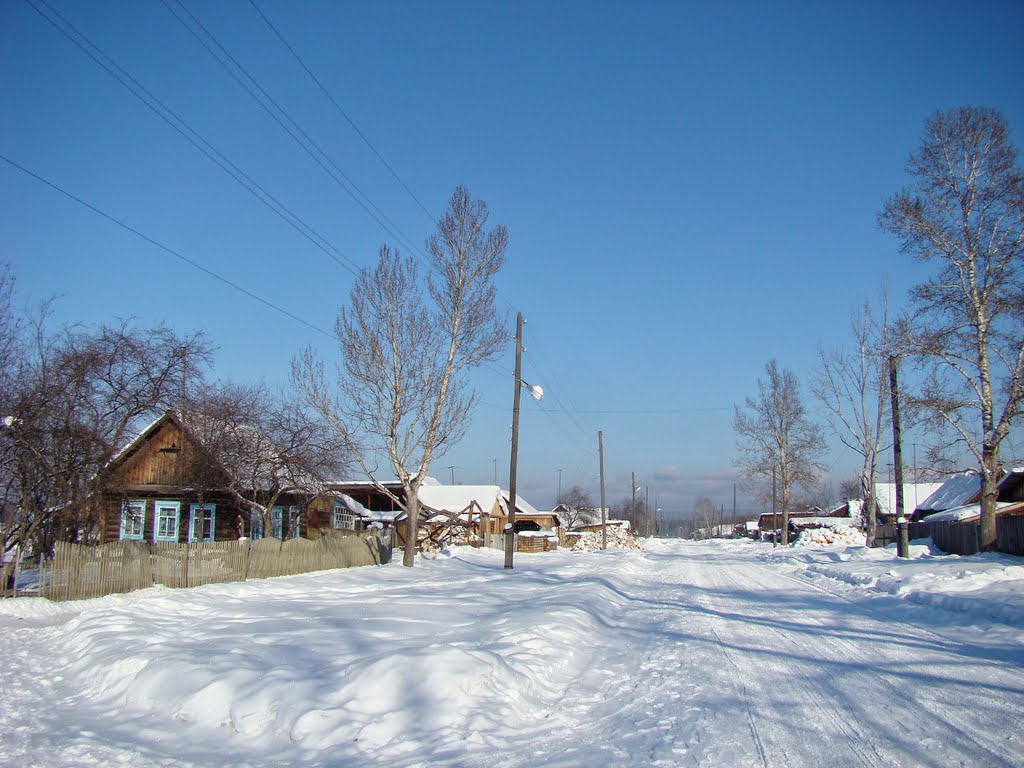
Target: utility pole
<point x="452" y="467"/>
<point x="558" y="498"/>
<point x="604" y="512"/>
<point x="510" y="537"/>
<point x="632" y="487"/>
<point x="734" y="505"/>
<point x="897" y="436"/>
<point x="495" y="471"/>
<point x="647" y="507"/>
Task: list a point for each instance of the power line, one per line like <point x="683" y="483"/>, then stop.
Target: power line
<point x="321" y="157"/>
<point x="344" y="114"/>
<point x="166" y="249"/>
<point x="193" y="137"/>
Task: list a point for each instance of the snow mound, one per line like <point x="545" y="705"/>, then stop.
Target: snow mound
<point x="840" y="535"/>
<point x="590" y="541"/>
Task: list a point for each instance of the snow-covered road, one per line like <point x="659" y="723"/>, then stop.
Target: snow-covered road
<point x="682" y="654"/>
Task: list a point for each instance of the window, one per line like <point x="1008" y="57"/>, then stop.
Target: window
<point x="255" y="524"/>
<point x="277" y="521"/>
<point x="343" y="518"/>
<point x="201" y="522"/>
<point x="167" y="520"/>
<point x="133" y="520"/>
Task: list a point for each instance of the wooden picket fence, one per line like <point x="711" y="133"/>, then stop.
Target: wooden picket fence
<point x="78" y="572"/>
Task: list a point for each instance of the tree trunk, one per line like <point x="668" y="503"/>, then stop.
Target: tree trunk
<point x="989" y="478"/>
<point x="870" y="504"/>
<point x="412" y="511"/>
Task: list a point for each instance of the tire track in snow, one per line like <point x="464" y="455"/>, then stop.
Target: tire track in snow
<point x="741" y="688"/>
<point x="899" y="697"/>
<point x="936" y="712"/>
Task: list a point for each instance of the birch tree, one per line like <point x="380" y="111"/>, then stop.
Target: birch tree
<point x="774" y="435"/>
<point x="964" y="213"/>
<point x="401" y="393"/>
<point x="852" y="385"/>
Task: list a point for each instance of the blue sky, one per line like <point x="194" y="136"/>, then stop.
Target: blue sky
<point x="690" y="190"/>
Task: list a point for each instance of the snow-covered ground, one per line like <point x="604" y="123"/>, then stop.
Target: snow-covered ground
<point x="710" y="653"/>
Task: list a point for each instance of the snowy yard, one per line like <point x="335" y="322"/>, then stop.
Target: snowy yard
<point x="712" y="653"/>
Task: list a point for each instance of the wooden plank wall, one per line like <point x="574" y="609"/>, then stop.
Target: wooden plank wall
<point x="1010" y="534"/>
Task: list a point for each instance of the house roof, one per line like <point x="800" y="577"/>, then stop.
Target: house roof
<point x="251" y="451"/>
<point x="455" y="498"/>
<point x="360" y="511"/>
<point x="958" y="490"/>
<point x="913" y="494"/>
<point x="970" y="512"/>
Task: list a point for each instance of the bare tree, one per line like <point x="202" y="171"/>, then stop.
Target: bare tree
<point x="965" y="211"/>
<point x="401" y="393"/>
<point x="578" y="507"/>
<point x="257" y="447"/>
<point x="774" y="435"/>
<point x="78" y="395"/>
<point x="852" y="384"/>
<point x="636" y="512"/>
<point x="704" y="515"/>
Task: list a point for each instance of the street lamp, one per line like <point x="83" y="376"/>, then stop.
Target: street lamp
<point x="538" y="394"/>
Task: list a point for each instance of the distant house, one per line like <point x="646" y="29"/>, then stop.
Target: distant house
<point x="913" y="494"/>
<point x="153" y="494"/>
<point x="847" y="513"/>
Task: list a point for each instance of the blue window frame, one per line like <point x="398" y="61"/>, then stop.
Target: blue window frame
<point x="277" y="520"/>
<point x="201" y="522"/>
<point x="165" y="527"/>
<point x="133" y="520"/>
<point x="255" y="524"/>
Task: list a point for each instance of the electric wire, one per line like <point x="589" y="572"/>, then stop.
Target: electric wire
<point x="320" y="157"/>
<point x="183" y="128"/>
<point x="166" y="249"/>
<point x="344" y="114"/>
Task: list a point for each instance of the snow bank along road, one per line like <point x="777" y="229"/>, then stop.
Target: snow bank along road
<point x="681" y="654"/>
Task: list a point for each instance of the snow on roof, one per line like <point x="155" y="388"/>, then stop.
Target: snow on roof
<point x="455" y="498"/>
<point x="913" y="494"/>
<point x="958" y="490"/>
<point x="522" y="505"/>
<point x="966" y="513"/>
<point x="821" y="522"/>
<point x="360" y="511"/>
